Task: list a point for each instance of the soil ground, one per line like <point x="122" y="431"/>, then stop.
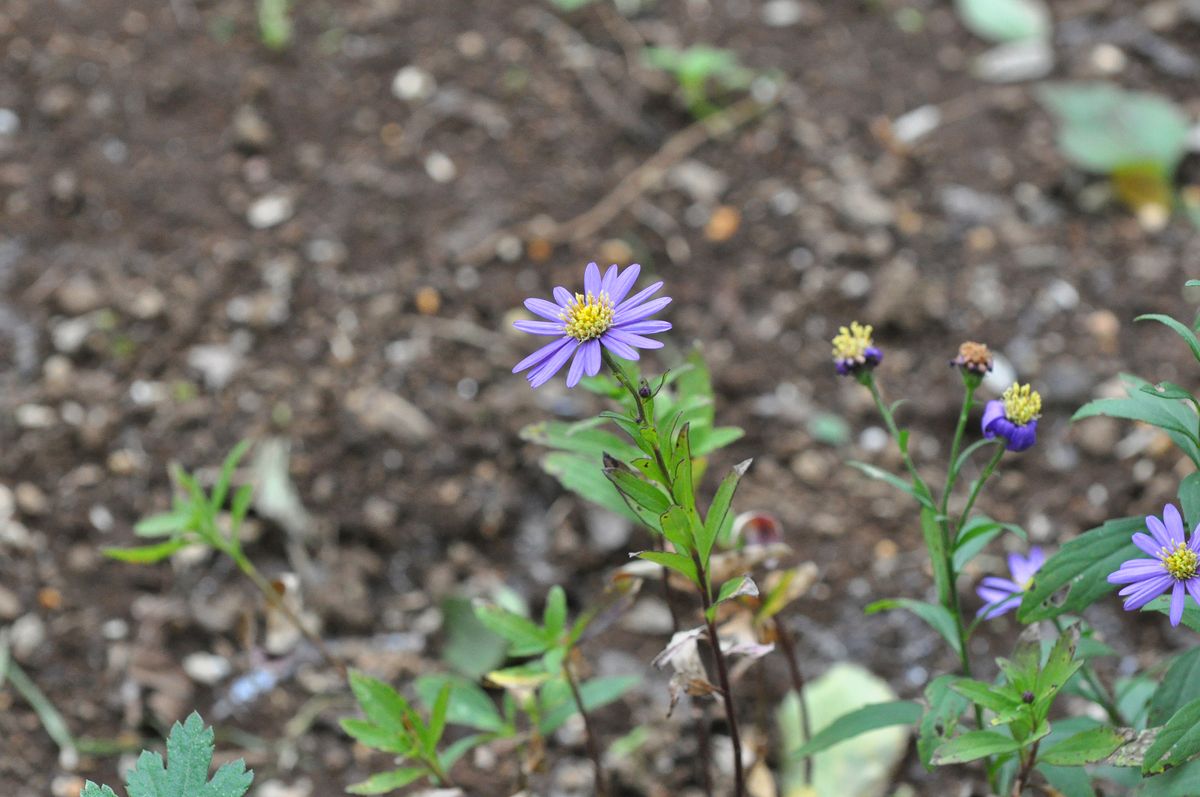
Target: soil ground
<point x="205" y="241"/>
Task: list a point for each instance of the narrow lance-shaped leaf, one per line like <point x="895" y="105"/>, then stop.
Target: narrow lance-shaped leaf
<point x="719" y="512"/>
<point x="860" y="721"/>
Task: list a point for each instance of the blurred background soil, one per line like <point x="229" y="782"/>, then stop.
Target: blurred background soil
<point x="204" y="241"/>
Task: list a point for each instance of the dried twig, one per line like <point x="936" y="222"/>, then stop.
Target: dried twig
<point x="631" y="186"/>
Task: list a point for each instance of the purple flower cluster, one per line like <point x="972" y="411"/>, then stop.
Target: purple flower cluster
<point x="1172" y="566"/>
<point x="1013" y="418"/>
<point x="582" y="323"/>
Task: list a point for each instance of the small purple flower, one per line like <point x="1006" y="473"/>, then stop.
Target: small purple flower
<point x="584" y="322"/>
<point x="1173" y="566"/>
<point x="1001" y="595"/>
<point x="854" y="351"/>
<point x="1013" y="417"/>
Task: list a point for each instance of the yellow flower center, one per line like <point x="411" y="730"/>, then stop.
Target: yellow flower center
<point x="1022" y="404"/>
<point x="1180" y="563"/>
<point x="852" y="343"/>
<point x="587" y="317"/>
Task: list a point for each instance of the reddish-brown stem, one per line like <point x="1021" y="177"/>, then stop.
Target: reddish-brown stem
<point x="789" y="655"/>
<point x="593" y="747"/>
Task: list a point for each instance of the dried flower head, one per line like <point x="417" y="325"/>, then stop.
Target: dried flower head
<point x="854" y="351"/>
<point x="974" y="358"/>
<point x="1172" y="567"/>
<point x="584" y="322"/>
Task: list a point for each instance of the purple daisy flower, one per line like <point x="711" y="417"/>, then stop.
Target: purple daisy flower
<point x="1001" y="595"/>
<point x="583" y="322"/>
<point x="1013" y="417"/>
<point x="1173" y="566"/>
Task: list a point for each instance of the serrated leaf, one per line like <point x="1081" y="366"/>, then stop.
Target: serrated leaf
<point x="1177" y="741"/>
<point x="1180" y="686"/>
<point x="1082" y="565"/>
<point x="940" y="721"/>
<point x="185" y="774"/>
<point x="92" y="790"/>
<point x="1084" y="747"/>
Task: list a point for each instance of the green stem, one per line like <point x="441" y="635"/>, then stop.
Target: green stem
<point x="952" y="469"/>
<point x="978" y="485"/>
<point x="901" y="441"/>
<point x="1101" y="695"/>
<point x="593" y="746"/>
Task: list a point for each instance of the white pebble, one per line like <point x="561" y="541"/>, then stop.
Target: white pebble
<point x="270" y="210"/>
<point x="413" y="83"/>
<point x="440" y="168"/>
<point x="206" y="668"/>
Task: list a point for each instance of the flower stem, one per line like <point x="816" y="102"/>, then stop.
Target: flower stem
<point x="901" y="438"/>
<point x="978" y="485"/>
<point x="646" y="420"/>
<point x="952" y="468"/>
<point x="589" y="735"/>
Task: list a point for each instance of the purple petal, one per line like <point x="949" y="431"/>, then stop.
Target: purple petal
<point x="576" y="372"/>
<point x="563" y="296"/>
<point x="552" y="365"/>
<point x="993" y="411"/>
<point x="1136" y="570"/>
<point x="630" y="339"/>
<point x="640" y="312"/>
<point x="994" y="611"/>
<point x="1156" y="527"/>
<point x="1178" y="595"/>
<point x="1022" y="569"/>
<point x="540" y="327"/>
<point x="1022" y="437"/>
<point x="541" y="354"/>
<point x="1174" y="524"/>
<point x="591" y="279"/>
<point x="619" y="347"/>
<point x="1148" y="545"/>
<point x="640" y="296"/>
<point x="1139" y="594"/>
<point x="995" y="582"/>
<point x="543" y="308"/>
<point x="647" y="327"/>
<point x="591" y="357"/>
<point x="623" y="283"/>
<point x="1193" y="588"/>
<point x="610" y="277"/>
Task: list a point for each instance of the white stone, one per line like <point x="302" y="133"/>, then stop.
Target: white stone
<point x="440" y="168"/>
<point x="413" y="83"/>
<point x="270" y="210"/>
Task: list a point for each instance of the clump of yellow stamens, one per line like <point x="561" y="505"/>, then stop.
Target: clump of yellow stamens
<point x="587" y="317"/>
<point x="1022" y="404"/>
<point x="852" y="343"/>
<point x="1180" y="563"/>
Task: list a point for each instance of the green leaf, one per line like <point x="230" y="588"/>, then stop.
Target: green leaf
<point x="554" y="616"/>
<point x="974" y="745"/>
<point x="382" y="704"/>
<point x="1084" y="747"/>
<point x="674" y="561"/>
<point x="163" y="525"/>
<point x="146" y="554"/>
<point x="706" y="440"/>
<point x="946" y="706"/>
<point x="973" y="537"/>
<point x="376" y="737"/>
<point x="1183" y="781"/>
<point x="525" y="637"/>
<point x="221" y="488"/>
<point x="677" y="527"/>
<point x="1082" y="565"/>
<point x="718" y="516"/>
<point x="683" y="482"/>
<point x="639" y="491"/>
<point x="1177" y="741"/>
<point x="384" y="782"/>
<point x="892" y="479"/>
<point x="1181" y="329"/>
<point x="1162" y="605"/>
<point x="1167" y="390"/>
<point x="189" y="757"/>
<point x="860" y="721"/>
<point x="1189" y="499"/>
<point x="1103" y="128"/>
<point x="1180" y="686"/>
<point x="456" y="750"/>
<point x="92" y="790"/>
<point x="437" y="720"/>
<point x="935" y="543"/>
<point x="1005" y="20"/>
<point x="986" y="695"/>
<point x="594" y="694"/>
<point x="470" y="648"/>
<point x="1175" y="418"/>
<point x="584" y="477"/>
<point x="581" y="438"/>
<point x="1069" y="781"/>
<point x="938" y="617"/>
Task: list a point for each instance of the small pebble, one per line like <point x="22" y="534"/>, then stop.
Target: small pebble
<point x="270" y="211"/>
<point x="206" y="668"/>
<point x="413" y="83"/>
<point x="440" y="168"/>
